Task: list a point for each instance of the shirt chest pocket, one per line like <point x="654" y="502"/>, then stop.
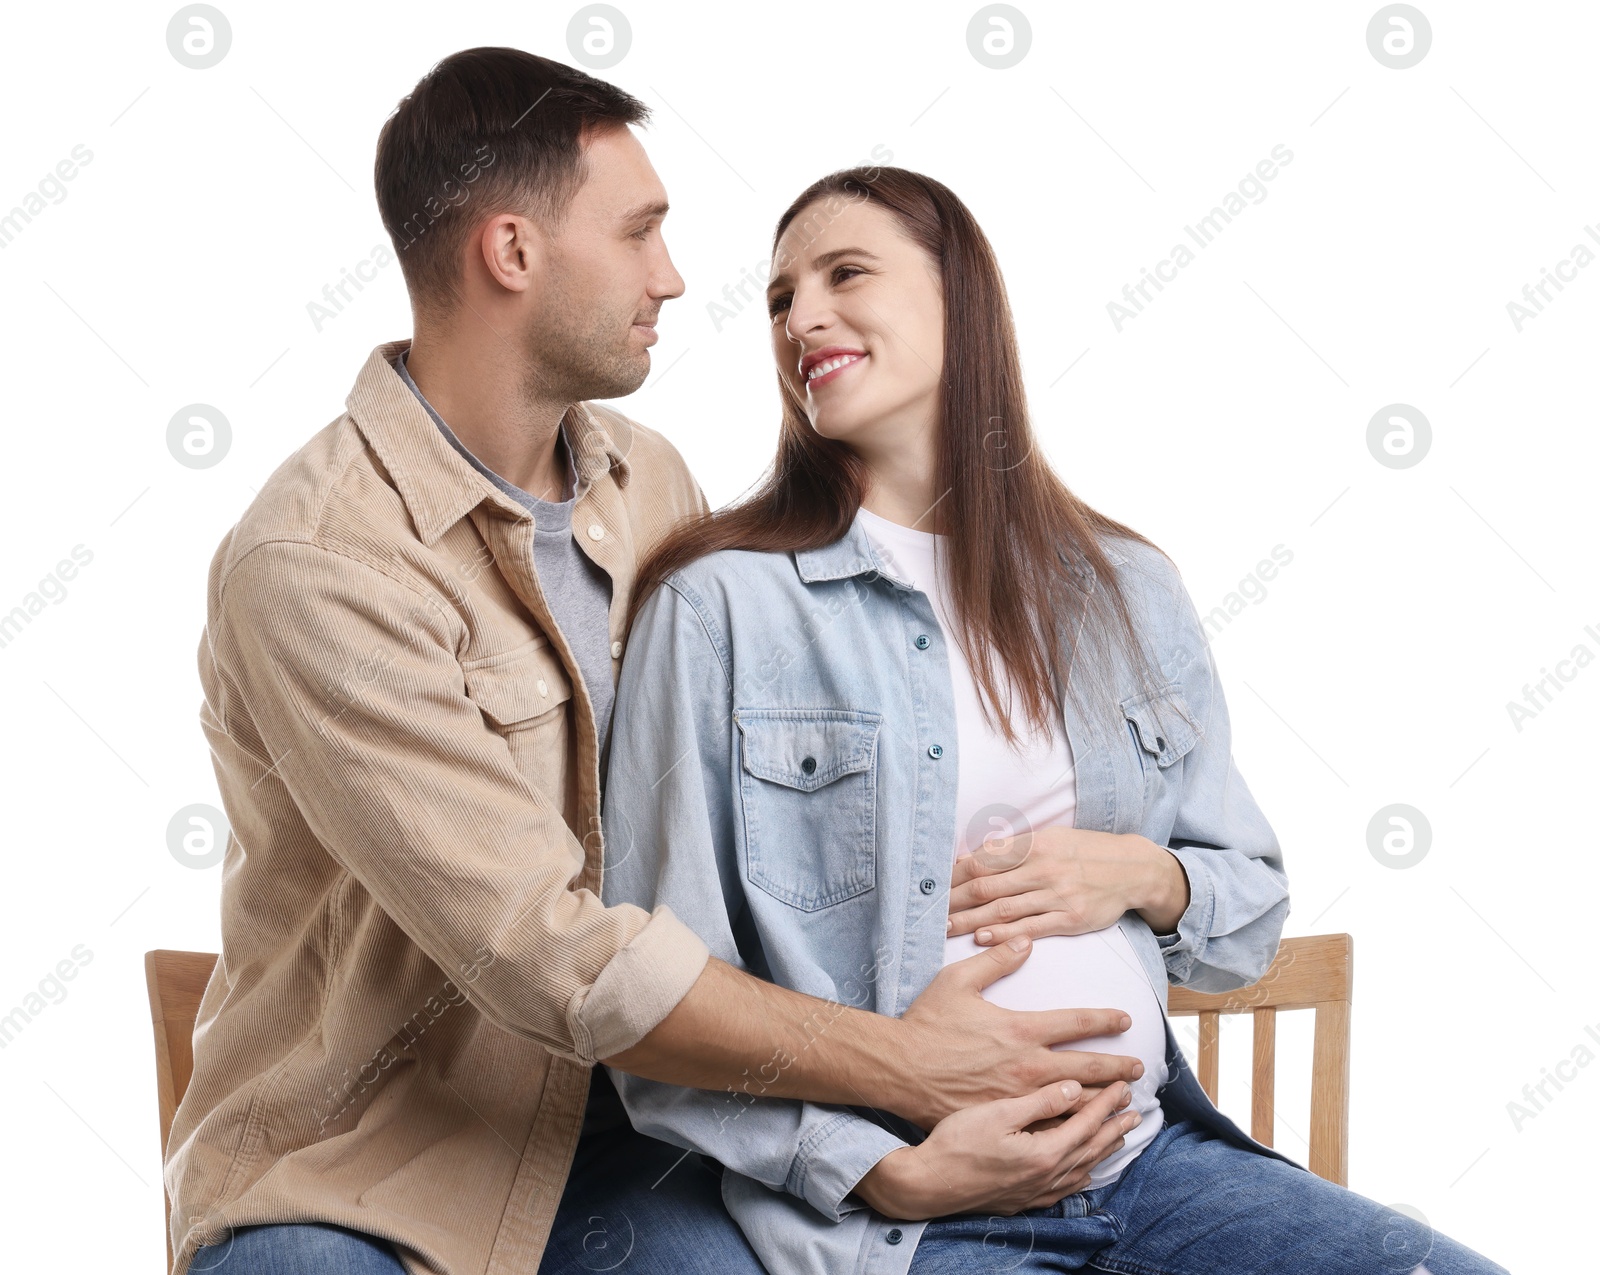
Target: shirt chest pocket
<point x="808" y="787"/>
<point x="1161" y="731"/>
<point x="524" y="694"/>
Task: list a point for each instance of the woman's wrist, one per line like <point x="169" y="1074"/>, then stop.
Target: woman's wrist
<point x="1163" y="893"/>
<point x="893" y="1186"/>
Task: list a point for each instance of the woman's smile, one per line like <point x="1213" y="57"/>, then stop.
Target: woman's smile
<point x="824" y="370"/>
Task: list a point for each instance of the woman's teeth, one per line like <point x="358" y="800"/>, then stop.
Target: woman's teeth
<point x="822" y="369"/>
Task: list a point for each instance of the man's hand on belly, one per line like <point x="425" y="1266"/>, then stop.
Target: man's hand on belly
<point x="960" y="1050"/>
<point x="1002" y="1157"/>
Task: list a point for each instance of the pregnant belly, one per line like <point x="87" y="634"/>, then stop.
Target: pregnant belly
<point x="1092" y="971"/>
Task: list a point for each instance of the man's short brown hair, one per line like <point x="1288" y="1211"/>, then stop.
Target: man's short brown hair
<point x="486" y="131"/>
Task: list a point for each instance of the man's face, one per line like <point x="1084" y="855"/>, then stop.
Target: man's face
<point x="594" y="308"/>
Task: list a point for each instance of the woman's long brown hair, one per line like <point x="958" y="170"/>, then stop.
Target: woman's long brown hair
<point x="1024" y="559"/>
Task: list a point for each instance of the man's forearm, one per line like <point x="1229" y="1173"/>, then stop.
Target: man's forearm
<point x="950" y="1050"/>
<point x="735" y="1031"/>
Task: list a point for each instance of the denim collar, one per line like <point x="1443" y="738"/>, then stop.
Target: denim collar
<point x="853" y="554"/>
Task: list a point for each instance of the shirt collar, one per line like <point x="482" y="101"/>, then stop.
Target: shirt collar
<point x="854" y="554"/>
<point x="437" y="484"/>
<point x="510" y="489"/>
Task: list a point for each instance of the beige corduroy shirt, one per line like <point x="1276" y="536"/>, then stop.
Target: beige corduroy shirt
<point x="416" y="972"/>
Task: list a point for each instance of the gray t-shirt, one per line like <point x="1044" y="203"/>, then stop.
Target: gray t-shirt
<point x="576" y="587"/>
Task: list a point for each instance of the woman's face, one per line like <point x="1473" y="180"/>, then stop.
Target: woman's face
<point x="857" y="324"/>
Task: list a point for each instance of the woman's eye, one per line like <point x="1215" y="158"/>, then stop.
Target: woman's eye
<point x="841" y="274"/>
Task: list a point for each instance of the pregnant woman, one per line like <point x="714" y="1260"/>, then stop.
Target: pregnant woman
<point x="912" y="697"/>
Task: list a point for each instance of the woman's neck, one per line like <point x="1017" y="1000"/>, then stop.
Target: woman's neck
<point x="902" y="487"/>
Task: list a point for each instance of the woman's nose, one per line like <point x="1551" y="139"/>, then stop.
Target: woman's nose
<point x="807" y="316"/>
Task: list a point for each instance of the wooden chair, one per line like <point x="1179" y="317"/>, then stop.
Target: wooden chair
<point x="176" y="981"/>
<point x="1308" y="973"/>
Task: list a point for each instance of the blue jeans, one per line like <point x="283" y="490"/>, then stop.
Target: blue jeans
<point x="1192" y="1203"/>
<point x="629" y="1205"/>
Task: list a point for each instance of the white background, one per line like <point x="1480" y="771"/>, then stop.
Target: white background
<point x="1228" y="418"/>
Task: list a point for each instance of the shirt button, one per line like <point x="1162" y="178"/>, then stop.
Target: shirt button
<point x="894" y="1236"/>
<point x="544" y="687"/>
<point x="616" y="650"/>
<point x="596" y="531"/>
<point x="935" y="751"/>
<point x="923" y="641"/>
<point x="809" y="765"/>
<point x="929" y="885"/>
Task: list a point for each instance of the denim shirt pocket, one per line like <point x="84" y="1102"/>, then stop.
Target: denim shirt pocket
<point x="808" y="785"/>
<point x="1161" y="731"/>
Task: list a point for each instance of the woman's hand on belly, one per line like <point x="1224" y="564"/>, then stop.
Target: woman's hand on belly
<point x="1064" y="881"/>
<point x="1003" y="1157"/>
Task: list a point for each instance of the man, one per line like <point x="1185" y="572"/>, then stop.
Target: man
<point x="409" y="657"/>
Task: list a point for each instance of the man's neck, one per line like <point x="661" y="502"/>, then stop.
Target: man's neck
<point x="485" y="391"/>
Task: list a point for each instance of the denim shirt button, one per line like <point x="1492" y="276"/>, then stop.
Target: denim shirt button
<point x="894" y="1236"/>
<point x="809" y="765"/>
<point x="928" y="885"/>
<point x="923" y="641"/>
<point x="935" y="751"/>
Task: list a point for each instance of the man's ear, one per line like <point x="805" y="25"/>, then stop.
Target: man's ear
<point x="514" y="250"/>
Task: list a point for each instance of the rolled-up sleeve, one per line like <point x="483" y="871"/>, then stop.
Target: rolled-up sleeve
<point x="1228" y="934"/>
<point x="342" y="679"/>
<point x="669" y="813"/>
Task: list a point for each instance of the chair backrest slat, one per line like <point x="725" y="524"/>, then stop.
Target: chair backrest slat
<point x="1263" y="1073"/>
<point x="1210" y="1039"/>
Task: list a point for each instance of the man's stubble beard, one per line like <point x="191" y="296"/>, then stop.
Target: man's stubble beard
<point x="580" y="350"/>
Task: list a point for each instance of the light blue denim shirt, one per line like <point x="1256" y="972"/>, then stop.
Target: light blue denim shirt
<point x="783" y="777"/>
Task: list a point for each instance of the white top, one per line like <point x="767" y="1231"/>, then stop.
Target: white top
<point x="1000" y="791"/>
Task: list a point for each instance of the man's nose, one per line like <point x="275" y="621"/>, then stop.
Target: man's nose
<point x="665" y="281"/>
